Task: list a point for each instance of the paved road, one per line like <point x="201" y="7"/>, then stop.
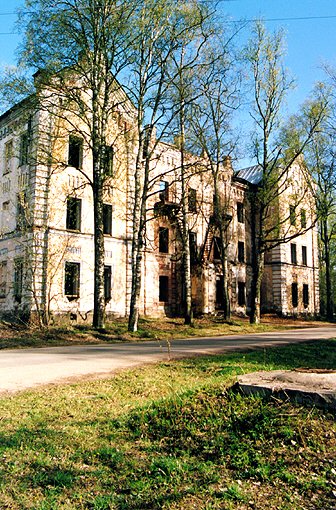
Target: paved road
<point x="25" y="368"/>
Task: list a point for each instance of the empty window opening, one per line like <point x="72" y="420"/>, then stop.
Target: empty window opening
<point x="72" y="280"/>
<point x="74" y="210"/>
<point x="241" y="294"/>
<point x="192" y="202"/>
<point x="18" y="280"/>
<point x="163" y="289"/>
<point x="304" y="255"/>
<point x="163" y="240"/>
<point x="294" y="294"/>
<point x="217" y="250"/>
<point x="3" y="278"/>
<point x="305" y="295"/>
<point x="293" y="253"/>
<point x="193" y="247"/>
<point x="107" y="219"/>
<point x="292" y="215"/>
<point x="107" y="282"/>
<point x="108" y="160"/>
<point x="240" y="212"/>
<point x="219" y="292"/>
<point x="22" y="212"/>
<point x="303" y="218"/>
<point x="164" y="191"/>
<point x="75" y="156"/>
<point x="24" y="149"/>
<point x="8" y="156"/>
<point x="241" y="251"/>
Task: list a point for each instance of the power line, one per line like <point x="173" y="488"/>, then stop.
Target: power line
<point x="298" y="18"/>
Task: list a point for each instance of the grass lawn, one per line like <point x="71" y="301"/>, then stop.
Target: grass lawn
<point x="170" y="436"/>
<point x="16" y="336"/>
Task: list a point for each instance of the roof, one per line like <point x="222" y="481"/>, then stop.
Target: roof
<point x="251" y="174"/>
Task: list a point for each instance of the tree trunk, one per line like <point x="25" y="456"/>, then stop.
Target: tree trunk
<point x="99" y="257"/>
<point x="329" y="296"/>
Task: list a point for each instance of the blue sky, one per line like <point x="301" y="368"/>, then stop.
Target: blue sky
<point x="310" y="34"/>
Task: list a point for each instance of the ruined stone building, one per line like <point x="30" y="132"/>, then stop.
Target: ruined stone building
<point x="46" y="244"/>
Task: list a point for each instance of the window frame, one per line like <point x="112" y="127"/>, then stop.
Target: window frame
<point x="74" y="214"/>
<point x="9" y="153"/>
<point x="241" y="295"/>
<point x="303" y="218"/>
<point x="72" y="287"/>
<point x="164" y="191"/>
<point x="21" y="211"/>
<point x="217" y="248"/>
<point x="293" y="249"/>
<point x="163" y="240"/>
<point x="24" y="149"/>
<point x="3" y="278"/>
<point x="305" y="295"/>
<point x="241" y="252"/>
<point x="75" y="151"/>
<point x="18" y="278"/>
<point x="304" y="256"/>
<point x="295" y="295"/>
<point x="107" y="283"/>
<point x="163" y="288"/>
<point x="192" y="200"/>
<point x="240" y="212"/>
<point x="292" y="215"/>
<point x="107" y="219"/>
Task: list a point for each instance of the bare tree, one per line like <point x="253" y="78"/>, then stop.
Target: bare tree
<point x="275" y="155"/>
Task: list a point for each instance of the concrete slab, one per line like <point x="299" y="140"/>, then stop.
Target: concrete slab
<point x="305" y="386"/>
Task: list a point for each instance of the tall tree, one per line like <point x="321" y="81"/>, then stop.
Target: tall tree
<point x="218" y="83"/>
<point x="275" y="155"/>
<point x="165" y="27"/>
<point x="321" y="160"/>
<point x="78" y="47"/>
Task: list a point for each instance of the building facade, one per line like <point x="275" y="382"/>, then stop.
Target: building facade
<point x="46" y="219"/>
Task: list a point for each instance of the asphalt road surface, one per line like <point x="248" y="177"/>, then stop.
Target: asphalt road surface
<point x="25" y="368"/>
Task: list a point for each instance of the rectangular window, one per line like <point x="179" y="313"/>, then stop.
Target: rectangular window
<point x="305" y="295"/>
<point x="75" y="156"/>
<point x="22" y="212"/>
<point x="241" y="251"/>
<point x="8" y="156"/>
<point x="18" y="280"/>
<point x="240" y="212"/>
<point x="303" y="218"/>
<point x="292" y="215"/>
<point x="293" y="253"/>
<point x="72" y="280"/>
<point x="220" y="298"/>
<point x="304" y="255"/>
<point x="107" y="282"/>
<point x="217" y="252"/>
<point x="108" y="160"/>
<point x="164" y="191"/>
<point x="163" y="289"/>
<point x="163" y="240"/>
<point x="74" y="212"/>
<point x="107" y="219"/>
<point x="192" y="205"/>
<point x="3" y="278"/>
<point x="294" y="294"/>
<point x="193" y="247"/>
<point x="24" y="149"/>
<point x="241" y="294"/>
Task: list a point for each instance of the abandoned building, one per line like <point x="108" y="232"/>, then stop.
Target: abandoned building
<point x="47" y="247"/>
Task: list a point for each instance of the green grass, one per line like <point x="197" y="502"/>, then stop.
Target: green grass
<point x="170" y="436"/>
